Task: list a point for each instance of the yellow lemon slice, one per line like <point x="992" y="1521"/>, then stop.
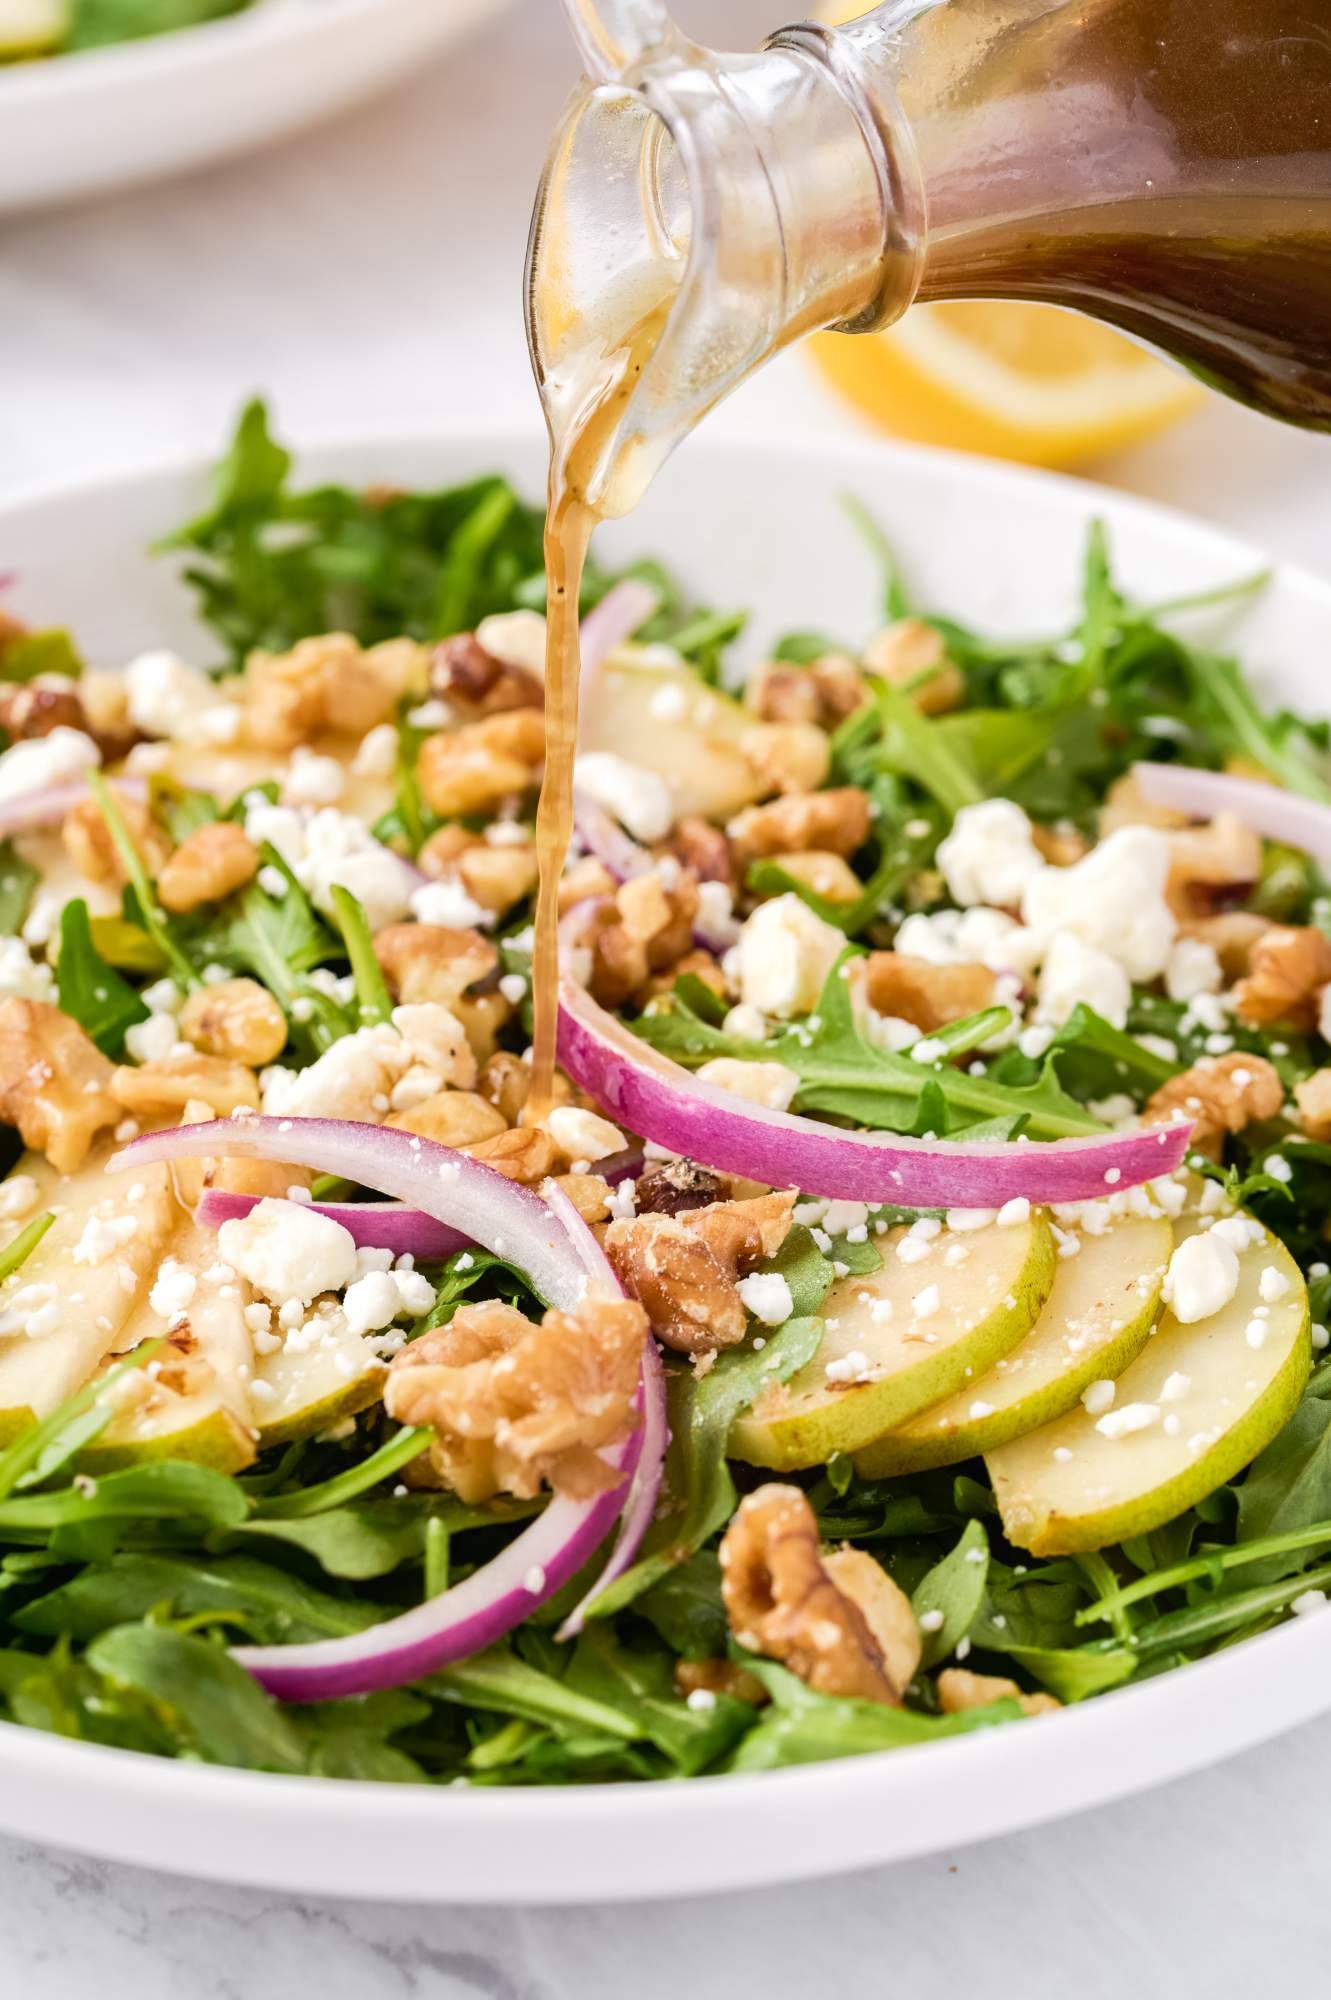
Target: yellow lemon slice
<point x="1016" y="381"/>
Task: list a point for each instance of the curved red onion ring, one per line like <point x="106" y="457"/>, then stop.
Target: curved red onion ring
<point x="48" y="804"/>
<point x="514" y="1223"/>
<point x="616" y="618"/>
<point x="616" y="850"/>
<point x="645" y="1091"/>
<point x="1268" y="809"/>
<point x="374" y="1225"/>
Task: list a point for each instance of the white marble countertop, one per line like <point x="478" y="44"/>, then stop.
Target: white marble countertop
<point x="369" y="276"/>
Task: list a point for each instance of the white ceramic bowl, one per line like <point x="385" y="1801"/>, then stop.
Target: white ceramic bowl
<point x="745" y="526"/>
<point x="102" y="119"/>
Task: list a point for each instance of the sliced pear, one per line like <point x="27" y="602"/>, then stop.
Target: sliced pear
<point x="1095" y="1321"/>
<point x="663" y="719"/>
<point x="194" y="1401"/>
<point x="913" y="1332"/>
<point x="226" y="773"/>
<point x="60" y="1314"/>
<point x="298" y="1394"/>
<point x="1206" y="1399"/>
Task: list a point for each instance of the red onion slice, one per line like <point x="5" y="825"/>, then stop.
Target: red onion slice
<point x="48" y="805"/>
<point x="560" y="1260"/>
<point x="616" y="618"/>
<point x="646" y="1092"/>
<point x="1268" y="809"/>
<point x="616" y="850"/>
<point x="375" y="1225"/>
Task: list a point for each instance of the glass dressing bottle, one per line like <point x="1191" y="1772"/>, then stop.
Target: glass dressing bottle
<point x="1160" y="164"/>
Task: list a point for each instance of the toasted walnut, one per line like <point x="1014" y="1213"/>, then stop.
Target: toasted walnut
<point x="1126" y="805"/>
<point x="786" y="756"/>
<point x="782" y="1602"/>
<point x="1313" y="1097"/>
<point x="472" y="769"/>
<point x="237" y="1019"/>
<point x="35" y="708"/>
<point x="483" y="1016"/>
<point x="212" y="863"/>
<point x="959" y="1689"/>
<point x="677" y="1185"/>
<point x="684" y="1266"/>
<point x="589" y="1194"/>
<point x="699" y="964"/>
<point x="330" y="683"/>
<point x="515" y="1406"/>
<point x="104" y="699"/>
<point x="842" y="688"/>
<point x="475" y="683"/>
<point x="703" y="849"/>
<point x="452" y="1118"/>
<point x="1231" y="936"/>
<point x="910" y="655"/>
<point x="885" y="1607"/>
<point x="647" y="928"/>
<point x="55" y="1084"/>
<point x="1287" y="967"/>
<point x="433" y="961"/>
<point x="1211" y="864"/>
<point x="526" y="1155"/>
<point x="88" y="843"/>
<point x="836" y="822"/>
<point x="1222" y="1094"/>
<point x="585" y="881"/>
<point x="827" y="875"/>
<point x="505" y="1082"/>
<point x="155" y="1088"/>
<point x="1060" y="846"/>
<point x="927" y="995"/>
<point x="495" y="876"/>
<point x="719" y="1677"/>
<point x="826" y="692"/>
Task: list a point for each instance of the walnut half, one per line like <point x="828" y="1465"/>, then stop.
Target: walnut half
<point x="516" y="1406"/>
<point x="54" y="1082"/>
<point x="836" y="1620"/>
<point x="684" y="1266"/>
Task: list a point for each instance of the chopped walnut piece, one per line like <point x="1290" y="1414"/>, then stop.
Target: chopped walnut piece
<point x="826" y="692"/>
<point x="928" y="995"/>
<point x="911" y="656"/>
<point x="1126" y="805"/>
<point x="1313" y="1097"/>
<point x="648" y="928"/>
<point x="1060" y="846"/>
<point x="55" y="1084"/>
<point x="156" y="1088"/>
<point x="483" y="1015"/>
<point x="720" y="1677"/>
<point x="885" y="1607"/>
<point x="782" y="1601"/>
<point x="329" y="683"/>
<point x="589" y="1194"/>
<point x="472" y="769"/>
<point x="583" y="882"/>
<point x="1222" y="1094"/>
<point x="959" y="1689"/>
<point x="684" y="1266"/>
<point x="505" y="1082"/>
<point x="700" y="964"/>
<point x="35" y="708"/>
<point x="842" y="688"/>
<point x="238" y="1019"/>
<point x="703" y="849"/>
<point x="494" y="875"/>
<point x="786" y="756"/>
<point x="1287" y="967"/>
<point x="827" y="875"/>
<point x="677" y="1185"/>
<point x="526" y="1154"/>
<point x="1210" y="865"/>
<point x="433" y="961"/>
<point x="1231" y="935"/>
<point x="475" y="683"/>
<point x="835" y="821"/>
<point x="515" y="1406"/>
<point x="88" y="843"/>
<point x="452" y="1118"/>
<point x="213" y="862"/>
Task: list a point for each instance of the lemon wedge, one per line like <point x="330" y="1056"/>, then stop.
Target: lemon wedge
<point x="1028" y="382"/>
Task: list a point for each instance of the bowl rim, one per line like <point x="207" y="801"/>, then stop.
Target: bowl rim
<point x="79" y="1795"/>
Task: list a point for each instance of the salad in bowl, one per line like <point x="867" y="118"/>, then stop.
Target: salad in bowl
<point x="30" y="29"/>
<point x="905" y="1320"/>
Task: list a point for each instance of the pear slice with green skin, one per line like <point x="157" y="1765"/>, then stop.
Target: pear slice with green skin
<point x="193" y="1401"/>
<point x="687" y="733"/>
<point x="1096" y="1320"/>
<point x="297" y="1394"/>
<point x="991" y="1284"/>
<point x="91" y="1303"/>
<point x="1219" y="1401"/>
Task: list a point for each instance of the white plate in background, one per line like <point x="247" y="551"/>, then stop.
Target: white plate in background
<point x="744" y="525"/>
<point x="102" y="119"/>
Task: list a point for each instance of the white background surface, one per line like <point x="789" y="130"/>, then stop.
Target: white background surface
<point x="370" y="276"/>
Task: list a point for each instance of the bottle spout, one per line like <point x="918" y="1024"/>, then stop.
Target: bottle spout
<point x="697" y="212"/>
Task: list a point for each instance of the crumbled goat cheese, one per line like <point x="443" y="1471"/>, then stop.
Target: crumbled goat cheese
<point x="175" y="1286"/>
<point x="312" y="780"/>
<point x="377" y="755"/>
<point x="767" y="1296"/>
<point x="1113" y="900"/>
<point x="967" y="937"/>
<point x="287" y="1252"/>
<point x="1076" y="973"/>
<point x="165" y="694"/>
<point x="18" y="1196"/>
<point x="784" y="955"/>
<point x="1015" y="1211"/>
<point x="1132" y="1417"/>
<point x="745" y="1023"/>
<point x="515" y="637"/>
<point x="716" y="917"/>
<point x="583" y="1135"/>
<point x="152" y="1040"/>
<point x="450" y="904"/>
<point x="769" y="1083"/>
<point x="1273" y="1284"/>
<point x="102" y="1236"/>
<point x="1097" y="1397"/>
<point x="23" y="977"/>
<point x="1202" y="1278"/>
<point x="1192" y="968"/>
<point x="38" y="761"/>
<point x="637" y="798"/>
<point x="989" y="856"/>
<point x="371" y="1302"/>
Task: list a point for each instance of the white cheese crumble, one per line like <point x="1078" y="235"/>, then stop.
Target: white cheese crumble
<point x="1202" y="1278"/>
<point x="639" y="799"/>
<point x="1192" y="968"/>
<point x="583" y="1135"/>
<point x="289" y="1252"/>
<point x="165" y="694"/>
<point x="38" y="761"/>
<point x="172" y="1291"/>
<point x="1113" y="900"/>
<point x="515" y="637"/>
<point x="1077" y="973"/>
<point x="152" y="1040"/>
<point x="767" y="1296"/>
<point x="784" y="955"/>
<point x="23" y="977"/>
<point x="989" y="856"/>
<point x="312" y="780"/>
<point x="767" y="1083"/>
<point x="1132" y="1417"/>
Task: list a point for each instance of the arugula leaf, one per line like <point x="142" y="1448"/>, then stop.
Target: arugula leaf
<point x="162" y="1489"/>
<point x="1288" y="1486"/>
<point x="953" y="1591"/>
<point x="275" y="1606"/>
<point x="641" y="1685"/>
<point x="90" y="990"/>
<point x="18" y="880"/>
<point x="802" y="1727"/>
<point x="372" y="997"/>
<point x="211" y="1706"/>
<point x="278" y="939"/>
<point x="500" y="1682"/>
<point x="369" y="1538"/>
<point x="153" y="919"/>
